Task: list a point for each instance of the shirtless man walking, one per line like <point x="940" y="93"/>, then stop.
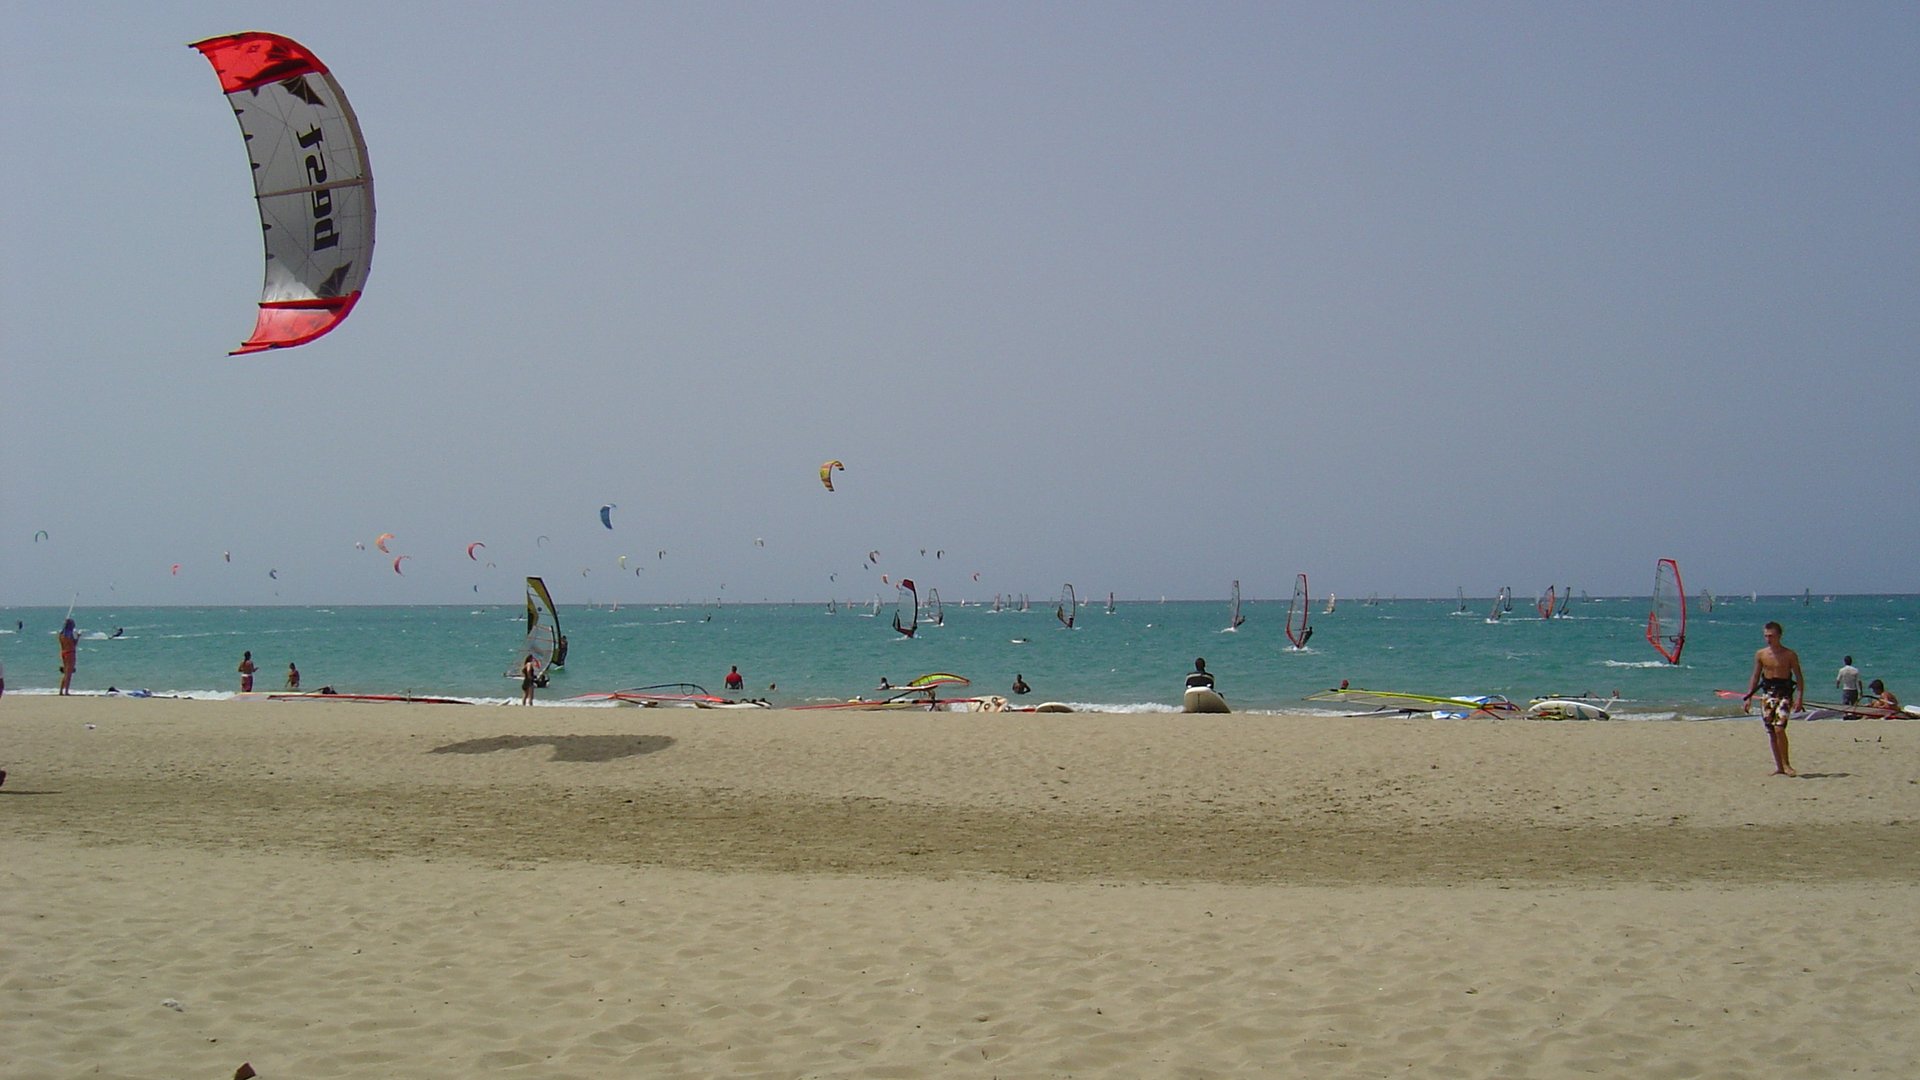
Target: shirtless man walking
<point x="1781" y="685"/>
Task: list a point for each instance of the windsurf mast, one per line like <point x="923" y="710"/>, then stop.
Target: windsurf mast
<point x="1298" y="627"/>
<point x="1667" y="621"/>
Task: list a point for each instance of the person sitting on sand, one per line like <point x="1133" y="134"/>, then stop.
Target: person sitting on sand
<point x="1883" y="697"/>
<point x="1199" y="676"/>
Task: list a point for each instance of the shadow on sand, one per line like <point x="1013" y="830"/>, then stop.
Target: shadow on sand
<point x="565" y="747"/>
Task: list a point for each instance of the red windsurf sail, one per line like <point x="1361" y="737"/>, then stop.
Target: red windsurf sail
<point x="1667" y="621"/>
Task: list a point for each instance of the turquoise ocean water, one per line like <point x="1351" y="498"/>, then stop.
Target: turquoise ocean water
<point x="1134" y="659"/>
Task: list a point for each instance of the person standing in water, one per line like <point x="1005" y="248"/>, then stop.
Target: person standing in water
<point x="246" y="670"/>
<point x="1778" y="680"/>
<point x="293" y="676"/>
<point x="69" y="654"/>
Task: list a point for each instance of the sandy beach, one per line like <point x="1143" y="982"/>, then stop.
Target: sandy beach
<point x="445" y="891"/>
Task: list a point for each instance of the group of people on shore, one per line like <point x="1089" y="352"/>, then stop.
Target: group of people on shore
<point x="248" y="669"/>
<point x="1781" y="686"/>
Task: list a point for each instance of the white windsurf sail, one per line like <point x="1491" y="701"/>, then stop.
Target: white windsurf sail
<point x="906" y="612"/>
<point x="1667" y="621"/>
<point x="1299" y="629"/>
<point x="1234" y="618"/>
<point x="544" y="641"/>
<point x="936" y="614"/>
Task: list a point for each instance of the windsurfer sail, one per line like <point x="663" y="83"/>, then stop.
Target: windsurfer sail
<point x="936" y="614"/>
<point x="545" y="643"/>
<point x="1234" y="618"/>
<point x="311" y="184"/>
<point x="1298" y="627"/>
<point x="908" y="606"/>
<point x="1547" y="604"/>
<point x="1667" y="621"/>
<point x="1067" y="607"/>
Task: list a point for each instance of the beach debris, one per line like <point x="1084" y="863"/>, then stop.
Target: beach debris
<point x="244" y="1072"/>
<point x="174" y="1005"/>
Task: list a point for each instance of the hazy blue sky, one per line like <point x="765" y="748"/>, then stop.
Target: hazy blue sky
<point x="1142" y="297"/>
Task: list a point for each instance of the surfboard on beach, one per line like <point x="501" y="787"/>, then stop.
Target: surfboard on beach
<point x="317" y="695"/>
<point x="1203" y="699"/>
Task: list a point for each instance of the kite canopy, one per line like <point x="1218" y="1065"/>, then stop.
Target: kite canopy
<point x="310" y="180"/>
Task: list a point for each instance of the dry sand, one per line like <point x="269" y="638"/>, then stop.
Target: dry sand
<point x="334" y="889"/>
